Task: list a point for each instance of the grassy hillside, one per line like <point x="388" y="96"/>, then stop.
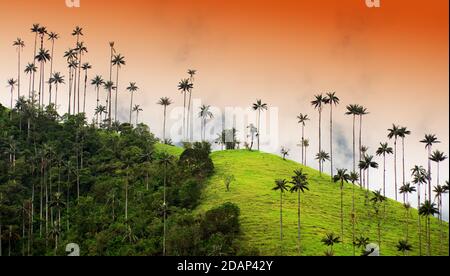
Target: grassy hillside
<point x="172" y="150"/>
<point x="252" y="192"/>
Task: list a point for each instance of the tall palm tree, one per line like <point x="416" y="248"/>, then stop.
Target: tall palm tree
<point x="112" y="52"/>
<point x="137" y="109"/>
<point x="42" y="32"/>
<point x="299" y="185"/>
<point x="439" y="192"/>
<point x="19" y="44"/>
<point x="118" y="61"/>
<point x="42" y="57"/>
<point x="353" y="177"/>
<point x="318" y="104"/>
<point x="341" y="177"/>
<point x="404" y="246"/>
<point x="191" y="73"/>
<point x="52" y="37"/>
<point x="165" y="161"/>
<point x="406" y="190"/>
<point x="165" y="102"/>
<point x="132" y="88"/>
<point x="34" y="29"/>
<point x="403" y="132"/>
<point x="86" y="67"/>
<point x="97" y="81"/>
<point x="366" y="164"/>
<point x="332" y="100"/>
<point x="109" y="86"/>
<point x="12" y="83"/>
<point x="30" y="69"/>
<point x="100" y="110"/>
<point x="259" y="106"/>
<point x="438" y="157"/>
<point x="73" y="65"/>
<point x="362" y="111"/>
<point x="305" y="146"/>
<point x="420" y="176"/>
<point x="378" y="199"/>
<point x="56" y="79"/>
<point x="185" y="85"/>
<point x="81" y="50"/>
<point x="353" y="110"/>
<point x="428" y="209"/>
<point x="302" y="119"/>
<point x="282" y="186"/>
<point x="204" y="115"/>
<point x="77" y="33"/>
<point x="384" y="150"/>
<point x="394" y="133"/>
<point x="322" y="157"/>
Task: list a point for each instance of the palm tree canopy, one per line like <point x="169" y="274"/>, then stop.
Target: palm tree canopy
<point x="331" y="99"/>
<point x="259" y="105"/>
<point x="302" y="118"/>
<point x="299" y="182"/>
<point x="281" y="185"/>
<point x="53" y="36"/>
<point x="394" y="132"/>
<point x="97" y="81"/>
<point x="439" y="191"/>
<point x="354" y="177"/>
<point x="407" y="188"/>
<point x="205" y="112"/>
<point x="341" y="176"/>
<point x="35" y="28"/>
<point x="377" y="197"/>
<point x="165" y="101"/>
<point x="118" y="60"/>
<point x="81" y="48"/>
<point x="132" y="87"/>
<point x="429" y="140"/>
<point x="403" y="131"/>
<point x="368" y="163"/>
<point x="86" y="66"/>
<point x="19" y="43"/>
<point x="30" y="68"/>
<point x="318" y="102"/>
<point x="57" y="78"/>
<point x="353" y="109"/>
<point x="331" y="239"/>
<point x="12" y="83"/>
<point x="438" y="156"/>
<point x="322" y="156"/>
<point x="361" y="111"/>
<point x="185" y="85"/>
<point x="109" y="85"/>
<point x="137" y="108"/>
<point x="43" y="55"/>
<point x="428" y="209"/>
<point x="384" y="149"/>
<point x="404" y="246"/>
<point x="78" y="31"/>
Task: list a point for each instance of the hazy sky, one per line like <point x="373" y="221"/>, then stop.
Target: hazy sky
<point x="393" y="60"/>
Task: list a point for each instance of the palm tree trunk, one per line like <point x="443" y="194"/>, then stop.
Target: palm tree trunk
<point x="78" y="83"/>
<point x="419" y="226"/>
<point x="259" y="128"/>
<point x="331" y="141"/>
<point x="51" y="73"/>
<point x="131" y="106"/>
<point x="353" y="219"/>
<point x="70" y="90"/>
<point x="360" y="141"/>
<point x="117" y="92"/>
<point x="281" y="220"/>
<point x="189" y="116"/>
<point x="56" y="97"/>
<point x="98" y="102"/>
<point x="164" y="125"/>
<point x="342" y="210"/>
<point x="303" y="146"/>
<point x="18" y="75"/>
<point x="84" y="94"/>
<point x="384" y="174"/>
<point x="299" y="210"/>
<point x="126" y="197"/>
<point x="34" y="64"/>
<point x="395" y="168"/>
<point x="403" y="161"/>
<point x="320" y="135"/>
<point x="165" y="207"/>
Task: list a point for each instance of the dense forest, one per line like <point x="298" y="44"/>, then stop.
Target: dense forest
<point x="112" y="191"/>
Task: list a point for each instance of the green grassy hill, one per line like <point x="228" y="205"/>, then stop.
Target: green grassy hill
<point x="252" y="192"/>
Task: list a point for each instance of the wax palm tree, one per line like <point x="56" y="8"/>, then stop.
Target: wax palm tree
<point x="42" y="57"/>
<point x="52" y="36"/>
<point x="403" y="132"/>
<point x="19" y="44"/>
<point x="30" y="69"/>
<point x="165" y="161"/>
<point x="35" y="31"/>
<point x="281" y="185"/>
<point x="86" y="67"/>
<point x="341" y="177"/>
<point x="299" y="185"/>
<point x="284" y="152"/>
<point x="112" y="52"/>
<point x="118" y="61"/>
<point x="73" y="65"/>
<point x="394" y="133"/>
<point x="100" y="110"/>
<point x="322" y="157"/>
<point x="204" y="115"/>
<point x="305" y="146"/>
<point x="97" y="82"/>
<point x="384" y="150"/>
<point x="12" y="83"/>
<point x="191" y="73"/>
<point x="332" y="100"/>
<point x="420" y="176"/>
<point x="361" y="112"/>
<point x="77" y="33"/>
<point x="56" y="79"/>
<point x="438" y="157"/>
<point x="429" y="141"/>
<point x="353" y="110"/>
<point x="109" y="86"/>
<point x="331" y="240"/>
<point x="318" y="104"/>
<point x="439" y="191"/>
<point x="185" y="85"/>
<point x="378" y="199"/>
<point x="427" y="210"/>
<point x="302" y="119"/>
<point x="353" y="177"/>
<point x="137" y="109"/>
<point x="259" y="107"/>
<point x="404" y="246"/>
<point x="366" y="164"/>
<point x="81" y="50"/>
<point x="165" y="102"/>
<point x="132" y="88"/>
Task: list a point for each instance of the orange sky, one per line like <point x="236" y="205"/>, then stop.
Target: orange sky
<point x="394" y="59"/>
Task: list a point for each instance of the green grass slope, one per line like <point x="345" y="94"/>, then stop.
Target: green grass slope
<point x="172" y="150"/>
<point x="252" y="192"/>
